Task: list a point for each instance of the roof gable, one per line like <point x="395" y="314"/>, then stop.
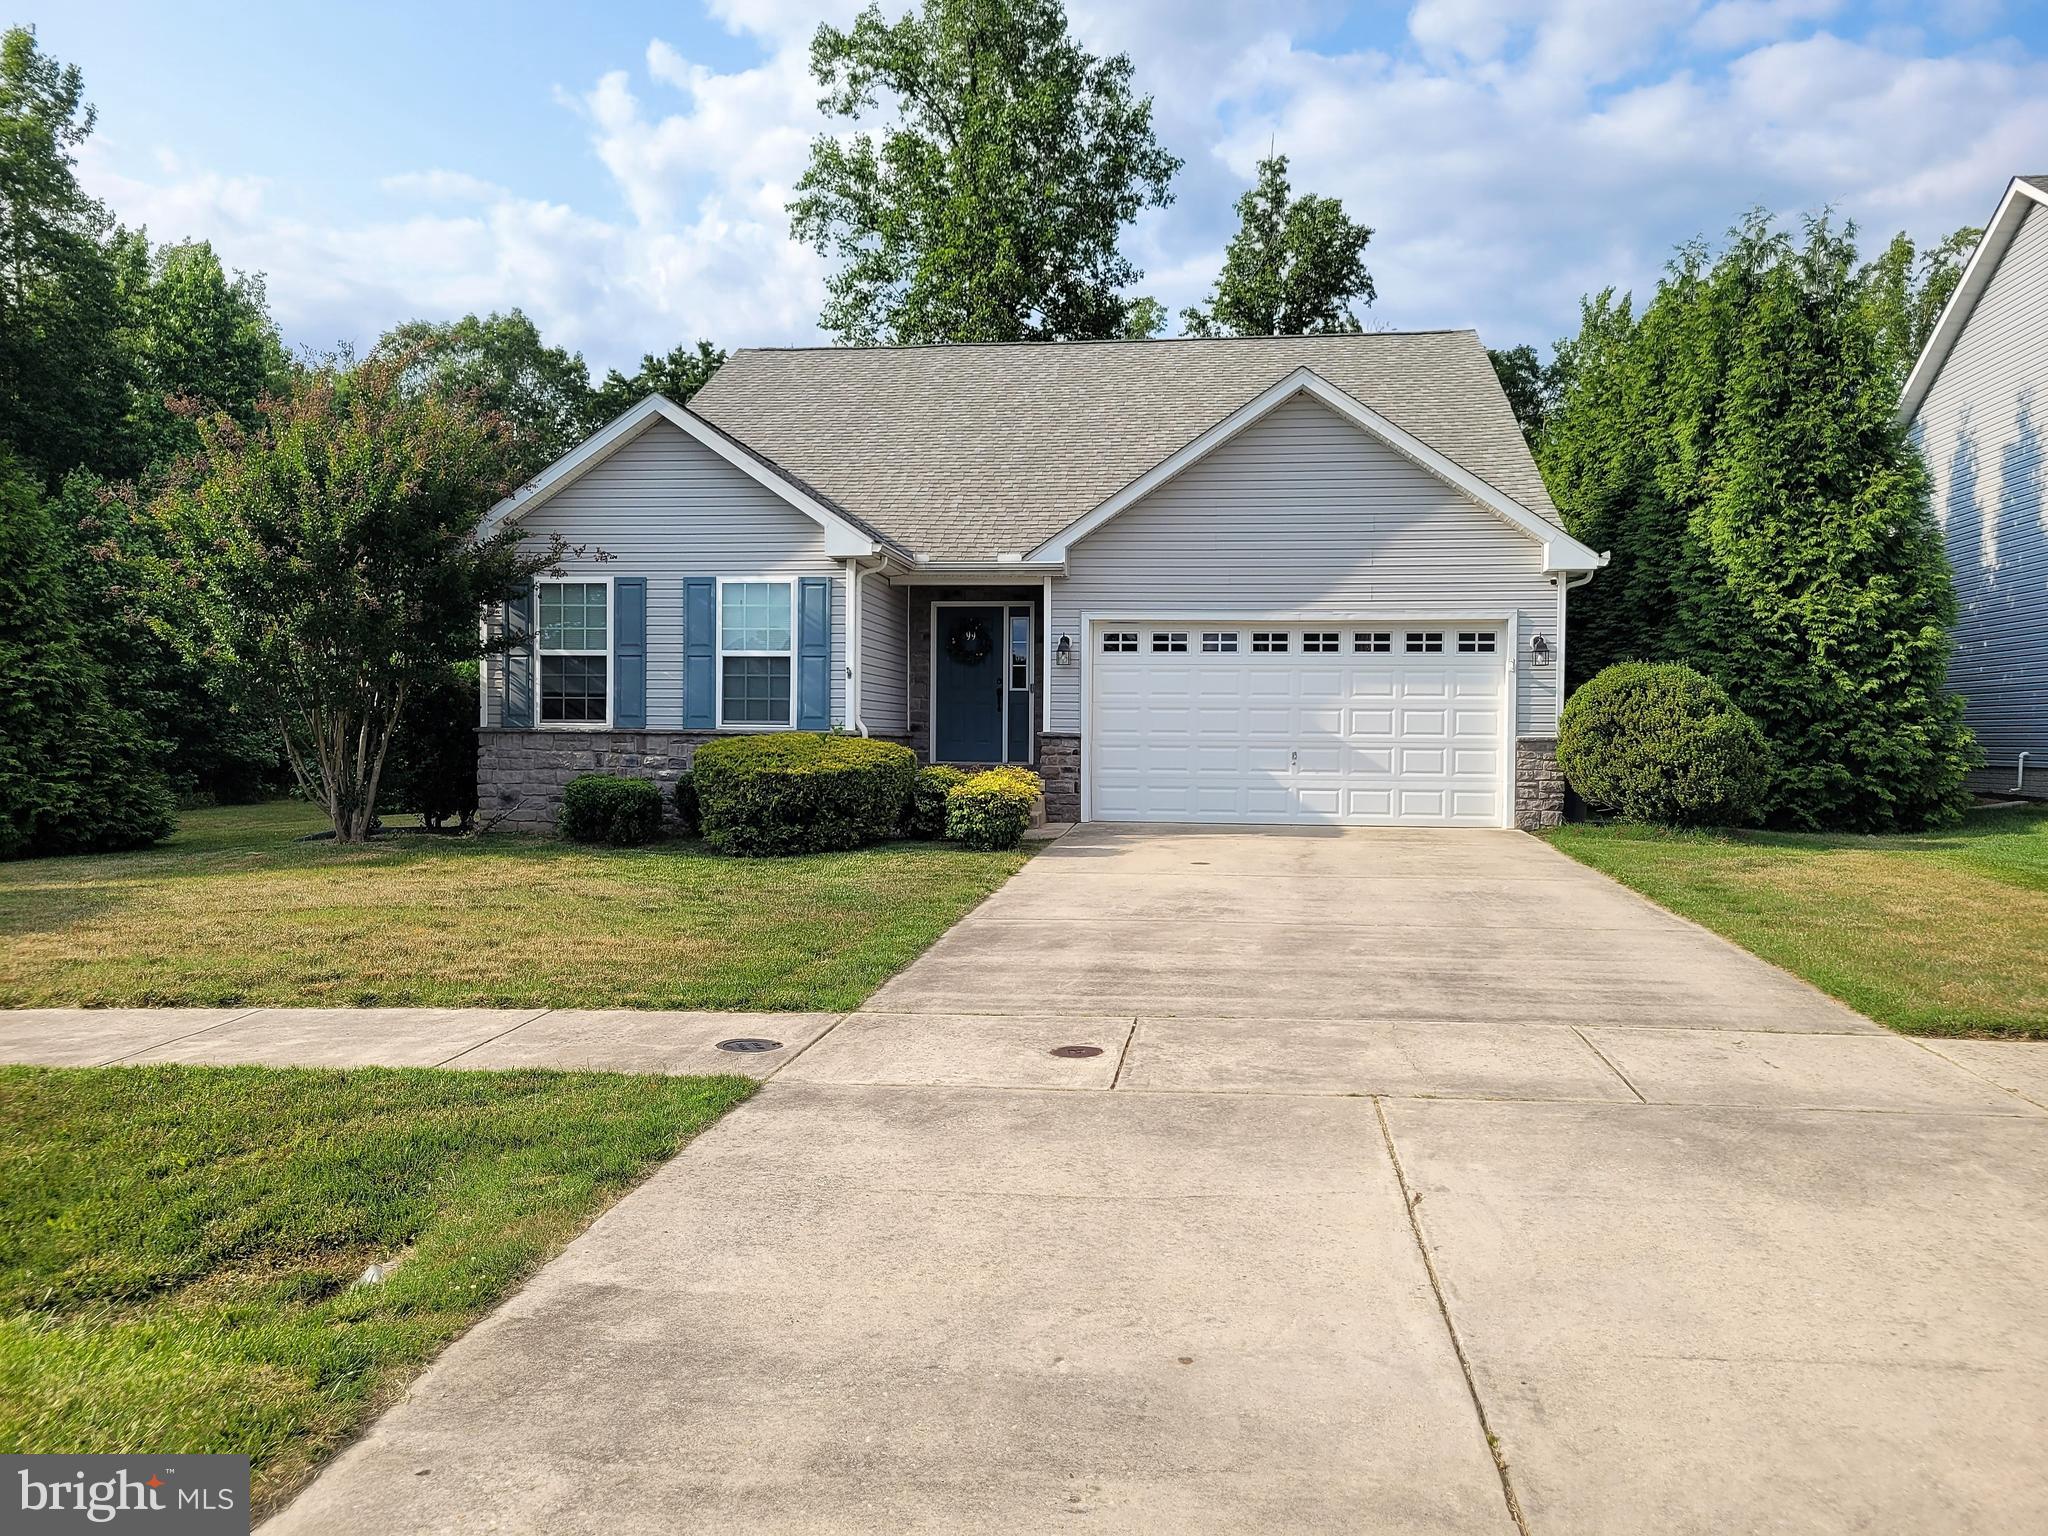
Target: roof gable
<point x="1561" y="552"/>
<point x="970" y="452"/>
<point x="2022" y="194"/>
<point x="845" y="534"/>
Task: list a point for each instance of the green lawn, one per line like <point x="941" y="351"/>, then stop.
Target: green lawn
<point x="178" y="1244"/>
<point x="233" y="909"/>
<point x="1940" y="934"/>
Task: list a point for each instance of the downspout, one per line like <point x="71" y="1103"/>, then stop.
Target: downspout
<point x="1564" y="590"/>
<point x="2019" y="783"/>
<point x="855" y="574"/>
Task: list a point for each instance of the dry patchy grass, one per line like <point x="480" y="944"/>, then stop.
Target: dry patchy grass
<point x="236" y="909"/>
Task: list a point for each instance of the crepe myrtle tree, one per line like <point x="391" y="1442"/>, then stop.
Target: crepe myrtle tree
<point x="334" y="556"/>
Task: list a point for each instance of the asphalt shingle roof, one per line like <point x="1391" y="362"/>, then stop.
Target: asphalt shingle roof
<point x="966" y="452"/>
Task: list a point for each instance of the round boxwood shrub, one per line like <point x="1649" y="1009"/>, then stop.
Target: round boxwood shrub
<point x="927" y="815"/>
<point x="991" y="809"/>
<point x="1659" y="742"/>
<point x="602" y="808"/>
<point x="800" y="792"/>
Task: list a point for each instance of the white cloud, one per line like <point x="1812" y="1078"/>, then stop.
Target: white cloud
<point x="1512" y="157"/>
<point x="442" y="187"/>
<point x="1738" y="23"/>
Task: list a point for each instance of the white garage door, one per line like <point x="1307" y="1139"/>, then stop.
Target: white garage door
<point x="1392" y="725"/>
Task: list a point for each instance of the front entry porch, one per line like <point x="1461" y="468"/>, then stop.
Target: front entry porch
<point x="976" y="655"/>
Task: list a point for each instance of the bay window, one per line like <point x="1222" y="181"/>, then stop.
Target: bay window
<point x="755" y="654"/>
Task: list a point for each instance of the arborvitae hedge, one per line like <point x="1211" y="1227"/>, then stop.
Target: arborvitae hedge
<point x="1735" y="448"/>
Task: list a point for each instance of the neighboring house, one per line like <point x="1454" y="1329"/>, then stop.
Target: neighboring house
<point x="1977" y="407"/>
<point x="1287" y="579"/>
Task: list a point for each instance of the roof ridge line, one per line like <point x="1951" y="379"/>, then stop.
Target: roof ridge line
<point x="1117" y="341"/>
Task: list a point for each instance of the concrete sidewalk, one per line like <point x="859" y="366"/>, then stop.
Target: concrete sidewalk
<point x="599" y="1039"/>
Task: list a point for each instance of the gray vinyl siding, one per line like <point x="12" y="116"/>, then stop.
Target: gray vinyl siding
<point x="666" y="507"/>
<point x="883" y="620"/>
<point x="1305" y="513"/>
<point x="1980" y="428"/>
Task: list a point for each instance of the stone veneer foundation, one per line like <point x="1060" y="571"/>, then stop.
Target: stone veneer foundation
<point x="520" y="774"/>
<point x="1539" y="786"/>
<point x="1059" y="764"/>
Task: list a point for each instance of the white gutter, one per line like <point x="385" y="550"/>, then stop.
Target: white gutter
<point x="855" y="573"/>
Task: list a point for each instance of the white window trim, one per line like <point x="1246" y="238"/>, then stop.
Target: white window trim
<point x="719" y="653"/>
<point x="611" y="637"/>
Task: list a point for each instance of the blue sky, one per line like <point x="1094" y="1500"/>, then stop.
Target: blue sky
<point x="620" y="173"/>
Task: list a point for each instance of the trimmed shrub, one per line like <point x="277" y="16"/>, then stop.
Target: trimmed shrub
<point x="1659" y="742"/>
<point x="603" y="808"/>
<point x="801" y="791"/>
<point x="991" y="809"/>
<point x="927" y="814"/>
<point x="687" y="816"/>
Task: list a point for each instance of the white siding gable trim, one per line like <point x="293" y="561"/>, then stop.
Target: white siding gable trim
<point x="1561" y="552"/>
<point x="2005" y="223"/>
<point x="842" y="538"/>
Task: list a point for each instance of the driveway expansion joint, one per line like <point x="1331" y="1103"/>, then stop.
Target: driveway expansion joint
<point x="1631" y="1087"/>
<point x="1410" y="1201"/>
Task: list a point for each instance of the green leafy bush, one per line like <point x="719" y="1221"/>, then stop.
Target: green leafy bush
<point x="688" y="817"/>
<point x="801" y="791"/>
<point x="927" y="816"/>
<point x="78" y="774"/>
<point x="431" y="770"/>
<point x="602" y="808"/>
<point x="991" y="809"/>
<point x="1659" y="742"/>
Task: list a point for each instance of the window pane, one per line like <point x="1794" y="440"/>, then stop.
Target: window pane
<point x="1020" y="651"/>
<point x="755" y="616"/>
<point x="572" y="688"/>
<point x="757" y="690"/>
<point x="572" y="616"/>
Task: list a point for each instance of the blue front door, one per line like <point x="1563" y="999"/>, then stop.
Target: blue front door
<point x="967" y="684"/>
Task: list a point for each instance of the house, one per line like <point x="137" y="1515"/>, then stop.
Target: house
<point x="1310" y="579"/>
<point x="1976" y="405"/>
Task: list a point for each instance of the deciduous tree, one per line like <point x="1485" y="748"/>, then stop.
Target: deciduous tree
<point x="334" y="558"/>
<point x="989" y="206"/>
<point x="678" y="374"/>
<point x="63" y="369"/>
<point x="1294" y="268"/>
<point x="540" y="394"/>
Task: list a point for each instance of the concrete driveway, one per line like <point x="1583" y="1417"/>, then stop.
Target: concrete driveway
<point x="1422" y="1183"/>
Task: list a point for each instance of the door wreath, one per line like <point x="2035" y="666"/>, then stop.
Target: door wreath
<point x="970" y="643"/>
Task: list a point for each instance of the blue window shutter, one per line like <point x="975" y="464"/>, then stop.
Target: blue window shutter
<point x="700" y="653"/>
<point x="519" y="657"/>
<point x="814" y="654"/>
<point x="629" y="651"/>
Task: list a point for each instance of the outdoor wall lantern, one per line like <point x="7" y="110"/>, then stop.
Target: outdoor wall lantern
<point x="1540" y="649"/>
<point x="1063" y="653"/>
